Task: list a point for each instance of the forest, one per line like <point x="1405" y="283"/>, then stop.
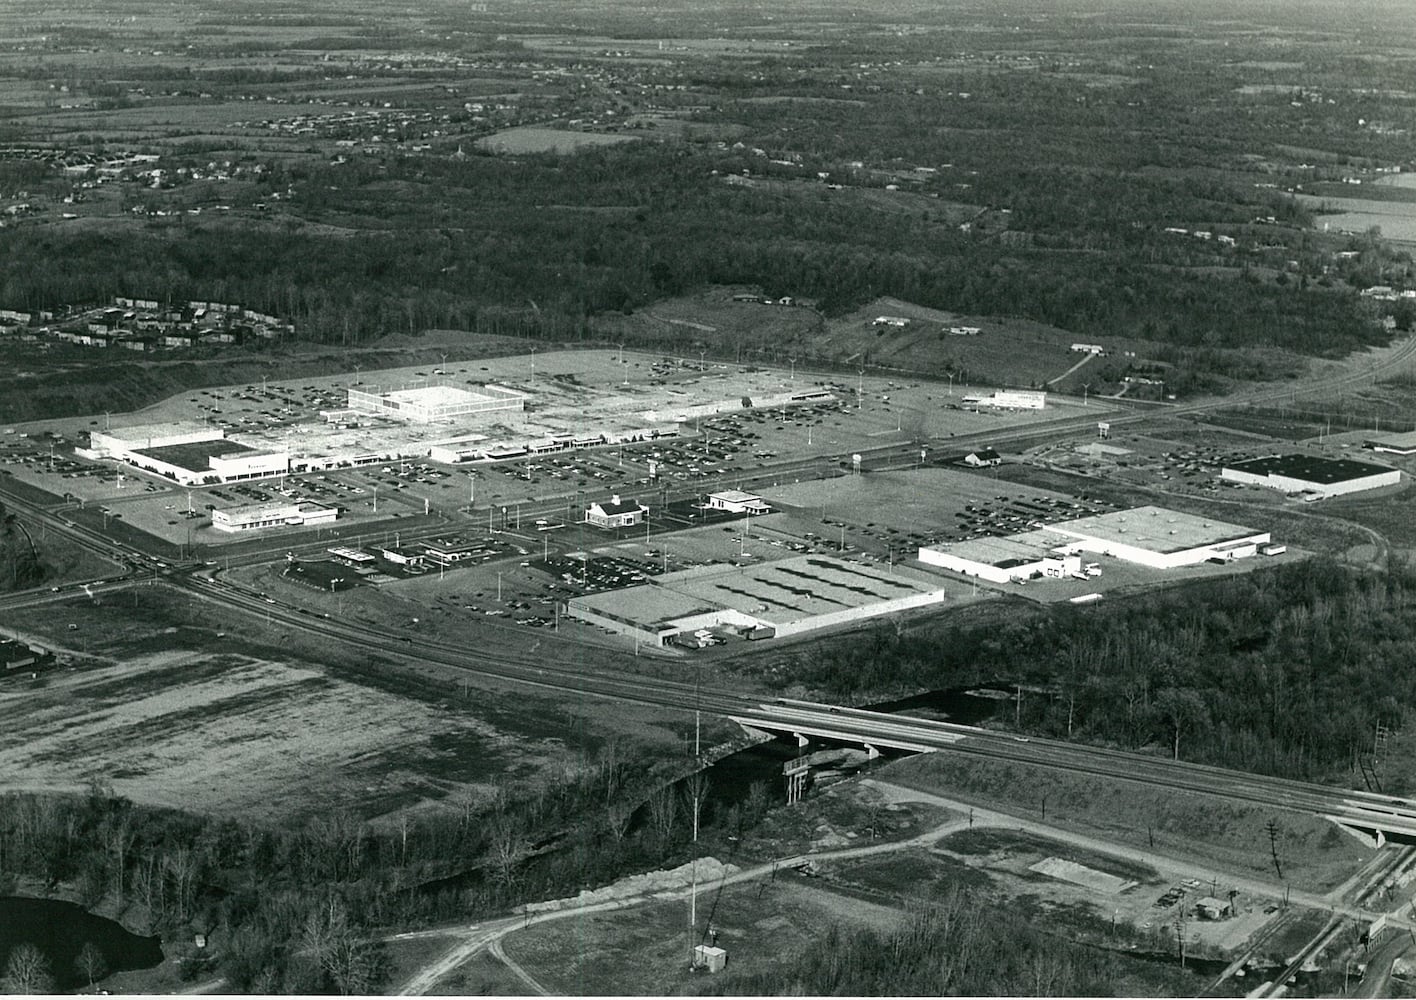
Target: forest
<point x="1285" y="671"/>
<point x="299" y="908"/>
<point x="473" y="245"/>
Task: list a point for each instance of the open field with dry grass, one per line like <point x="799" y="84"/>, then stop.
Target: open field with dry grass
<point x="1314" y="853"/>
<point x="257" y="723"/>
<point x="228" y="734"/>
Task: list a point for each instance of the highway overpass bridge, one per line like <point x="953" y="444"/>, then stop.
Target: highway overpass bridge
<point x="1374" y="818"/>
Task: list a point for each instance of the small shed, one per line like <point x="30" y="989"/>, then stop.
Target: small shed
<point x="710" y="957"/>
<point x="1210" y="908"/>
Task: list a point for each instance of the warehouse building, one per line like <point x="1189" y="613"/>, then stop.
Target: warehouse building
<point x="782" y="598"/>
<point x="433" y="404"/>
<point x="1159" y="538"/>
<point x="1148" y="536"/>
<point x="1311" y="476"/>
<point x="1394" y="444"/>
<point x="258" y="516"/>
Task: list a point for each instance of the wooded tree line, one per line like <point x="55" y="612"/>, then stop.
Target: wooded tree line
<point x="1285" y="670"/>
<point x="458" y="243"/>
<point x="20" y="565"/>
<point x="961" y="945"/>
<point x="293" y="909"/>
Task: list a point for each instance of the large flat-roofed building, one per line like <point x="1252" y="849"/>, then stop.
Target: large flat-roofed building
<point x="257" y="516"/>
<point x="1393" y="444"/>
<point x="1158" y="538"/>
<point x="187" y="454"/>
<point x="124" y="439"/>
<point x="782" y="598"/>
<point x="1308" y="474"/>
<point x="434" y="403"/>
<point x="1002" y="560"/>
<point x="1148" y="536"/>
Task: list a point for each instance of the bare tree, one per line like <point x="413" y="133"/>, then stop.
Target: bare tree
<point x="663" y="816"/>
<point x="27" y="971"/>
<point x="180" y="868"/>
<point x="149" y="888"/>
<point x="617" y="818"/>
<point x="90" y="963"/>
<point x="1182" y="708"/>
<point x="333" y="942"/>
<point x="118" y="838"/>
<point x="759" y="800"/>
<point x="507" y="848"/>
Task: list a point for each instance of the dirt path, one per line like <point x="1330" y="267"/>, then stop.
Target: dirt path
<point x="1085" y="361"/>
<point x="517" y="970"/>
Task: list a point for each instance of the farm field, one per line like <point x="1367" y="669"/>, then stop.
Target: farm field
<point x="1395" y="219"/>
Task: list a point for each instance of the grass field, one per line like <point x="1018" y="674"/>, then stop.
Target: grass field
<point x="645" y="950"/>
<point x="534" y="139"/>
<point x="1314" y="853"/>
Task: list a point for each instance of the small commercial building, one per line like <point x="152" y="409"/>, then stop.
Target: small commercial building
<point x="1008" y="399"/>
<point x="615" y="513"/>
<point x="983" y="458"/>
<point x="403" y="557"/>
<point x="1024" y="556"/>
<point x="738" y="502"/>
<point x="258" y="516"/>
<point x="16" y="655"/>
<point x="450" y="551"/>
<point x="1310" y="475"/>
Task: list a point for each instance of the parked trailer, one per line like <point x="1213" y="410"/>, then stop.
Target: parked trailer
<point x="1085" y="598"/>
